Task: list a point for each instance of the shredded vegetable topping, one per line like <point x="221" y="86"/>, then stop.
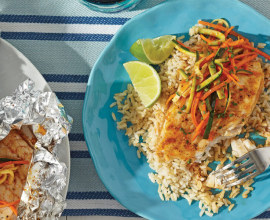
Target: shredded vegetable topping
<point x="225" y="54"/>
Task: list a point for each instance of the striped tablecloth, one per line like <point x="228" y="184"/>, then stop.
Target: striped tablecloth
<point x="63" y="39"/>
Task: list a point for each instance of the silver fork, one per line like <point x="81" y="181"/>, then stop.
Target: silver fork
<point x="260" y="158"/>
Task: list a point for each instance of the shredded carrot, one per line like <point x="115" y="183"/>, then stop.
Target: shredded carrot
<point x="225" y="43"/>
<point x="213" y="47"/>
<point x="233" y="65"/>
<point x="228" y="31"/>
<point x="170" y="98"/>
<point x="14" y="162"/>
<point x="11" y="207"/>
<point x="210" y="91"/>
<point x="183" y="45"/>
<point x="244" y="55"/>
<point x="238" y="35"/>
<point x="204" y="109"/>
<point x="194" y="108"/>
<point x="226" y="93"/>
<point x="207" y="59"/>
<point x="246" y="60"/>
<point x="258" y="51"/>
<point x="235" y="43"/>
<point x="213" y="25"/>
<point x="201" y="126"/>
<point x="205" y="39"/>
<point x="232" y="78"/>
<point x="9" y="204"/>
<point x="211" y="136"/>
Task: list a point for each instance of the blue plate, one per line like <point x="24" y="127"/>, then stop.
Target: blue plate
<point x="123" y="174"/>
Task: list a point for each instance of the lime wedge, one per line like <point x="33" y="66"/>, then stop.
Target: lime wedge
<point x="145" y="80"/>
<point x="153" y="51"/>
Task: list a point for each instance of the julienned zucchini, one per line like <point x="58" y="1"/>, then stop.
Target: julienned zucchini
<point x="244" y="71"/>
<point x="192" y="92"/>
<point x="211" y="116"/>
<point x="228" y="99"/>
<point x="219" y="53"/>
<point x="6" y="160"/>
<point x="211" y="78"/>
<point x="212" y="70"/>
<point x="184" y="50"/>
<point x="213" y="33"/>
<point x="183" y="74"/>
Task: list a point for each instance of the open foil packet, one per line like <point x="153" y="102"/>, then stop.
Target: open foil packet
<point x="45" y="116"/>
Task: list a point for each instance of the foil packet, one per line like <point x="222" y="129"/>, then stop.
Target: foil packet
<point x="41" y="197"/>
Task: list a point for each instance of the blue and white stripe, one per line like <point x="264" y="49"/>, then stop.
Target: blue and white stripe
<point x="63" y="39"/>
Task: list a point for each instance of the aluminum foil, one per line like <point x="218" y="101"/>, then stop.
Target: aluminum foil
<point x="41" y="198"/>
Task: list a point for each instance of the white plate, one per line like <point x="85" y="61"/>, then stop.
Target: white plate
<point x="14" y="69"/>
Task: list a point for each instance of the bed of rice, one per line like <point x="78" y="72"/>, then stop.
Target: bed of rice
<point x="177" y="178"/>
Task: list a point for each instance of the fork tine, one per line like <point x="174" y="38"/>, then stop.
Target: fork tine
<point x="232" y="163"/>
<point x="250" y="161"/>
<point x="246" y="178"/>
<point x="250" y="169"/>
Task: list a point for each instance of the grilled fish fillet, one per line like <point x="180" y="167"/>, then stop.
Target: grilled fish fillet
<point x="13" y="146"/>
<point x="178" y="129"/>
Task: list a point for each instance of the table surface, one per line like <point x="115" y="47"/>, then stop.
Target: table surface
<point x="63" y="39"/>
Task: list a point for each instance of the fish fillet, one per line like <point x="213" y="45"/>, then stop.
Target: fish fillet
<point x="178" y="129"/>
<point x="14" y="146"/>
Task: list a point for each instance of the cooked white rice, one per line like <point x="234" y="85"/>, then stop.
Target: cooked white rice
<point x="175" y="178"/>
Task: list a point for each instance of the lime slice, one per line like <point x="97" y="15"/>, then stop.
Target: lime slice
<point x="153" y="51"/>
<point x="146" y="81"/>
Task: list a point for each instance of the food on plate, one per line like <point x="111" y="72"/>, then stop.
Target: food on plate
<point x="15" y="155"/>
<point x="214" y="86"/>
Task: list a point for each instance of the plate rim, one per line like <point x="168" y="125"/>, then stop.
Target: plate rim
<point x="91" y="76"/>
<point x="65" y="189"/>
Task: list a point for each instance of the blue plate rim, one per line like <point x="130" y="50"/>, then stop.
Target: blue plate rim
<point x="84" y="115"/>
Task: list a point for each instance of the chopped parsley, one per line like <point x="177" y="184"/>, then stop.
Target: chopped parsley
<point x="212" y="66"/>
<point x="187" y="141"/>
<point x="252" y="50"/>
<point x="243" y="120"/>
<point x="189" y="161"/>
<point x="232" y="55"/>
<point x="198" y="87"/>
<point x="184" y="107"/>
<point x="235" y="67"/>
<point x="226" y="48"/>
<point x="234" y="103"/>
<point x="204" y="112"/>
<point x="179" y="112"/>
<point x="197" y="77"/>
<point x="189" y="132"/>
<point x="230" y="115"/>
<point x="201" y="118"/>
<point x="221" y="115"/>
<point x="187" y="80"/>
<point x="181" y="129"/>
<point x="206" y="89"/>
<point x="177" y="94"/>
<point x="188" y="74"/>
<point x="219" y="127"/>
<point x="240" y="89"/>
<point x="231" y="72"/>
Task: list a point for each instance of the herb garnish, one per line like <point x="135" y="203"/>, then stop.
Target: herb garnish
<point x="181" y="129"/>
